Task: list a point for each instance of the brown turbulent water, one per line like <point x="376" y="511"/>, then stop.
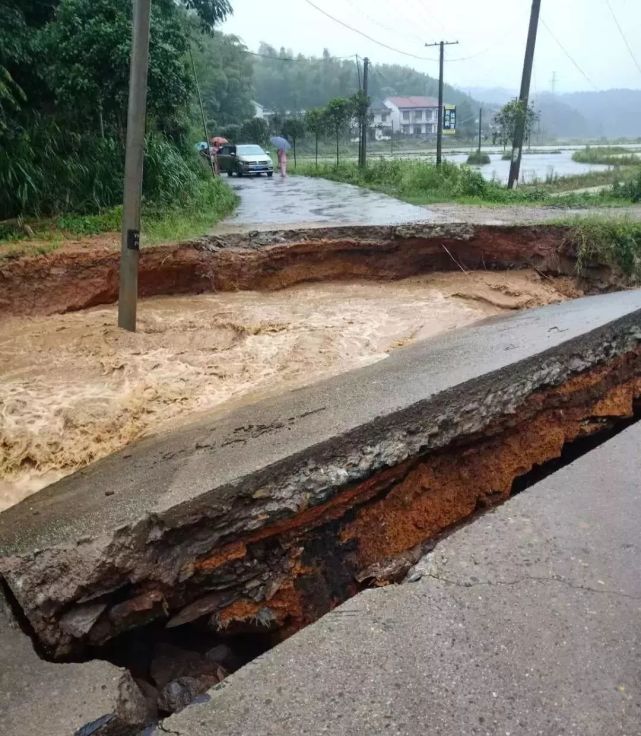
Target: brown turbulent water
<point x="74" y="388"/>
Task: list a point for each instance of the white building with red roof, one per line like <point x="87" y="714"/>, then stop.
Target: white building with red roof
<point x="415" y="115"/>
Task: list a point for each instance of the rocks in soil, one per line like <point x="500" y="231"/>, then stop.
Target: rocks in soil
<point x="79" y="620"/>
<point x="224" y="656"/>
<point x="182" y="674"/>
<point x="178" y="694"/>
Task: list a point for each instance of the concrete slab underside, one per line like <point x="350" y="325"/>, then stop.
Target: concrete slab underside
<point x="524" y="622"/>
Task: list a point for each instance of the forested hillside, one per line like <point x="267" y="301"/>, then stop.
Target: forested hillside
<point x="308" y="82"/>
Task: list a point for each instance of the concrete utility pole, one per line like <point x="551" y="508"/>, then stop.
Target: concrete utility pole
<point x="519" y="133"/>
<point x="480" y="126"/>
<point x="363" y="151"/>
<point x="130" y="243"/>
<point x="439" y="125"/>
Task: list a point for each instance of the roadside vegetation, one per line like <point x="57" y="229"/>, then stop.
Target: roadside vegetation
<point x="206" y="202"/>
<point x="616" y="243"/>
<point x="424" y="183"/>
<point x="63" y="98"/>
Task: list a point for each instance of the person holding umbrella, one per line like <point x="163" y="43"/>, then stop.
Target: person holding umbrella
<point x="282" y="146"/>
<point x="217" y="142"/>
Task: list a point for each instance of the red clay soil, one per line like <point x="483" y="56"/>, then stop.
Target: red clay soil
<point x="70" y="280"/>
<point x="421" y="501"/>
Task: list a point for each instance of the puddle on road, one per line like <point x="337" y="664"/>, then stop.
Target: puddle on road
<point x="74" y="388"/>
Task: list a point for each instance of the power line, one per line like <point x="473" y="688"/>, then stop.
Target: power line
<point x="567" y="53"/>
<point x="361" y="33"/>
<point x="472" y="56"/>
<point x="384" y="27"/>
<point x="623" y="36"/>
<point x="428" y="19"/>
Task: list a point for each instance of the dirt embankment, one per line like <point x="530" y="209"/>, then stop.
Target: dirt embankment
<point x="69" y="280"/>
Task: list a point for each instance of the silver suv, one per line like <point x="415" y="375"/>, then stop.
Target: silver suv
<point x="244" y="160"/>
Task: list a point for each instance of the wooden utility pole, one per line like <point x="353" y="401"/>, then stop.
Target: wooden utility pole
<point x="136" y="113"/>
<point x="519" y="132"/>
<point x="363" y="151"/>
<point x="439" y="125"/>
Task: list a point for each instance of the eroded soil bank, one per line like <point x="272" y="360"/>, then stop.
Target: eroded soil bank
<point x="74" y="388"/>
<point x="74" y="279"/>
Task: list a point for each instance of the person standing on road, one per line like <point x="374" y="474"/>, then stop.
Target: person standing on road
<point x="214" y="147"/>
<point x="282" y="162"/>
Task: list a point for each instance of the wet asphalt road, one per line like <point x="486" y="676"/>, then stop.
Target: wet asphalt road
<point x="305" y="201"/>
<point x="300" y="201"/>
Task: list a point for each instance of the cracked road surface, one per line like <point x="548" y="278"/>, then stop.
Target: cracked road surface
<point x="305" y="201"/>
<point x="523" y="622"/>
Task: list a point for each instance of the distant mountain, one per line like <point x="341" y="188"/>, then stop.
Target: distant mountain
<point x="561" y="120"/>
<point x="612" y="113"/>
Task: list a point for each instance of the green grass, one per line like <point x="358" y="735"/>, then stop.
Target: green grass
<point x="209" y="202"/>
<point x="214" y="200"/>
<point x="554" y="183"/>
<point x="423" y="183"/>
<point x="103" y="222"/>
<point x="629" y="188"/>
<point x="11" y="250"/>
<point x="415" y="181"/>
<point x="616" y="243"/>
<point x="608" y="155"/>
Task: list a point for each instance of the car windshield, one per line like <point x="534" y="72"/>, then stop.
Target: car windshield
<point x="250" y="151"/>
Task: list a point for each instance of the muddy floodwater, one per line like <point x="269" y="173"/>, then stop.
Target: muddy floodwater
<point x="74" y="388"/>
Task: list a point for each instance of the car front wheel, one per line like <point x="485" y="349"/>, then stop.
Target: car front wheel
<point x="270" y="174"/>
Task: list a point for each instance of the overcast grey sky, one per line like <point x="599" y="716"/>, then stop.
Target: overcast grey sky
<point x="491" y="32"/>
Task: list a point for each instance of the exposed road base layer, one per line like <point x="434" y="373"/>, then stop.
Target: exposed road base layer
<point x="524" y="622"/>
<point x="277" y="546"/>
<point x="71" y="280"/>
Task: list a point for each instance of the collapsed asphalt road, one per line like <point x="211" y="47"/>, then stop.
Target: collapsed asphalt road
<point x="525" y="622"/>
<point x="271" y="516"/>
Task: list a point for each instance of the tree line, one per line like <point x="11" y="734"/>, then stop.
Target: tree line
<point x="64" y="74"/>
<point x="64" y="67"/>
<point x="331" y="121"/>
<point x="231" y="77"/>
